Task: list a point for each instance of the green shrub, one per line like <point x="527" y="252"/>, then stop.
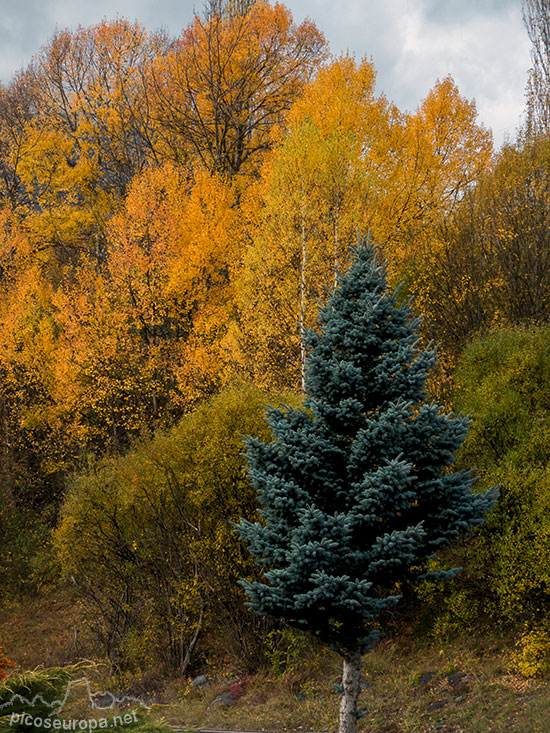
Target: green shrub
<point x="28" y="699"/>
<point x="27" y="561"/>
<point x="39" y="688"/>
<point x="504" y="380"/>
<point x="148" y="538"/>
<point x="286" y="650"/>
<point x="532" y="655"/>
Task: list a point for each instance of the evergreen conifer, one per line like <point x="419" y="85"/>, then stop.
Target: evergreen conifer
<point x="356" y="487"/>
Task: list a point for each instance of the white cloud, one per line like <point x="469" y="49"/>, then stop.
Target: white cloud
<point x="27" y="25"/>
<point x="487" y="55"/>
<point x="481" y="43"/>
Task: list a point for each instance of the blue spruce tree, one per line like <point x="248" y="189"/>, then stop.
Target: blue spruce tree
<point x="356" y="487"/>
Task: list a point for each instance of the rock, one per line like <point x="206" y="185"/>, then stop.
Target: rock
<point x="425" y="680"/>
<point x="224" y="700"/>
<point x="437" y="705"/>
<point x="200" y="681"/>
<point x="456" y="678"/>
<point x="104" y="700"/>
<point x="458" y="682"/>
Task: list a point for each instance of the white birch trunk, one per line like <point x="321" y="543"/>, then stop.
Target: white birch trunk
<point x="335" y="252"/>
<point x="350" y="692"/>
<point x="303" y="298"/>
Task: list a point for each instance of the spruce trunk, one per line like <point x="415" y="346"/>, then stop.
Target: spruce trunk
<point x="350" y="692"/>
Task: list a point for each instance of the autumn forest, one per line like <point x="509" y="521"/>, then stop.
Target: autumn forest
<point x="172" y="213"/>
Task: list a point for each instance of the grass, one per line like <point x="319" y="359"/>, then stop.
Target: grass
<point x="415" y="687"/>
<point x="411" y="686"/>
<point x="45" y="630"/>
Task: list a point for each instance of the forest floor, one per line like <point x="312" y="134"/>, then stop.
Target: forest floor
<point x="408" y="686"/>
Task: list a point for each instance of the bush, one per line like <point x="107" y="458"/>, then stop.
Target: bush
<point x="532" y="656"/>
<point x="30" y="693"/>
<point x="504" y="380"/>
<point x="27" y="560"/>
<point x="148" y="539"/>
<point x="286" y="650"/>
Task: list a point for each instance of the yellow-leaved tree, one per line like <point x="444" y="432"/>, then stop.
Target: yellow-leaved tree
<point x="92" y="132"/>
<point x="347" y="160"/>
<point x="318" y="186"/>
<point x="228" y="80"/>
<point x="143" y="336"/>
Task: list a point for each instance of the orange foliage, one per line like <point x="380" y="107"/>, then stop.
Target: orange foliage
<point x="172" y="213"/>
<point x="4" y="664"/>
<point x="228" y="80"/>
<point x="142" y="337"/>
<point x="172" y="252"/>
<point x="446" y="152"/>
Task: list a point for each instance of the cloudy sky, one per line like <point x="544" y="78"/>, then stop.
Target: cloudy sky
<point x="481" y="43"/>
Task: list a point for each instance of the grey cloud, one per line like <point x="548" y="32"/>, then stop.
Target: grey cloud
<point x="459" y="11"/>
<point x="481" y="43"/>
<point x="153" y="14"/>
<point x="22" y="27"/>
<point x="412" y="42"/>
<point x="27" y="25"/>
